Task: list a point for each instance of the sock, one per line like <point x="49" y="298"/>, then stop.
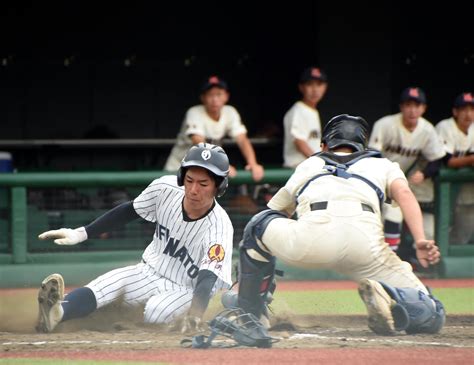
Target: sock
<point x="392" y="231"/>
<point x="79" y="303"/>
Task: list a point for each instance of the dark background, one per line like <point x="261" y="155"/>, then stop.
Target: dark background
<point x="64" y="71"/>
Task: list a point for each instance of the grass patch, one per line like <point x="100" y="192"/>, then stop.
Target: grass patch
<point x="455" y="300"/>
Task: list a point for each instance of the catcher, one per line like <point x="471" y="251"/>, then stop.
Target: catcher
<point x="337" y="195"/>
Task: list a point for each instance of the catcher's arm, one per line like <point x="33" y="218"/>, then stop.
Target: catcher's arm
<point x="426" y="250"/>
<point x="114" y="218"/>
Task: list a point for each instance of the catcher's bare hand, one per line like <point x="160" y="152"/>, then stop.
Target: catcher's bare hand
<point x="65" y="236"/>
<point x="427" y="252"/>
<point x="191" y="324"/>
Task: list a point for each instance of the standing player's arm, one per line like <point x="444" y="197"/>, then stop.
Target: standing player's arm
<point x="426" y="250"/>
<point x="197" y="138"/>
<point x="109" y="221"/>
<point x="461" y="161"/>
<point x="431" y="170"/>
<point x="303" y="147"/>
<point x="248" y="152"/>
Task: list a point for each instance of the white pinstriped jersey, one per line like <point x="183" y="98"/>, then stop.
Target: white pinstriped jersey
<point x="181" y="247"/>
<point x="400" y="145"/>
<point x="301" y="122"/>
<point x="197" y="121"/>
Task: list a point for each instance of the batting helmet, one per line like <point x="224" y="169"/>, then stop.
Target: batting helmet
<point x="346" y="130"/>
<point x="210" y="157"/>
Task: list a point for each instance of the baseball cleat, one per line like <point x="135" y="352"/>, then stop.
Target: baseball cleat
<point x="379" y="305"/>
<point x="50" y="297"/>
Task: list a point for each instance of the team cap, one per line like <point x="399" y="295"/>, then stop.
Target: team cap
<point x="311" y="74"/>
<point x="463" y="100"/>
<point x="413" y="94"/>
<point x="214" y="81"/>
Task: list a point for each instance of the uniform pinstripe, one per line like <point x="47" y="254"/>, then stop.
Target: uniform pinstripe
<point x="165" y="281"/>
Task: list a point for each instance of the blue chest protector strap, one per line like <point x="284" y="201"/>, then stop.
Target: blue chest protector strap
<point x="337" y="165"/>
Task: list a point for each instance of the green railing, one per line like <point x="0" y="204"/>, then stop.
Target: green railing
<point x="444" y="200"/>
<point x="19" y="182"/>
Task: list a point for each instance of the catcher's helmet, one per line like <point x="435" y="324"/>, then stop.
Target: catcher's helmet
<point x="210" y="157"/>
<point x="346" y="130"/>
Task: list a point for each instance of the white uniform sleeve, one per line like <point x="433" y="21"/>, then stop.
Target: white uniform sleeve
<point x="236" y="125"/>
<point x="300" y="126"/>
<point x="433" y="149"/>
<point x="218" y="255"/>
<point x="194" y="123"/>
<point x="285" y="198"/>
<point x="145" y="204"/>
<point x="376" y="137"/>
<point x="442" y="128"/>
<point x="394" y="172"/>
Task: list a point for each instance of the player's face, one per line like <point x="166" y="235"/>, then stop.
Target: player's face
<point x="214" y="99"/>
<point x="411" y="112"/>
<point x="199" y="191"/>
<point x="313" y="91"/>
<point x="464" y="117"/>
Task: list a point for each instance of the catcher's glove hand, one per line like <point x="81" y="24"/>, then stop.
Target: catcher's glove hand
<point x="65" y="236"/>
<point x="191" y="324"/>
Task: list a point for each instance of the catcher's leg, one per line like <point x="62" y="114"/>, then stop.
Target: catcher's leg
<point x="379" y="307"/>
<point x="400" y="309"/>
<point x="415" y="311"/>
<point x="256" y="265"/>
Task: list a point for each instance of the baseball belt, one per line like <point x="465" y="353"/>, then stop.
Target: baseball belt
<point x="324" y="205"/>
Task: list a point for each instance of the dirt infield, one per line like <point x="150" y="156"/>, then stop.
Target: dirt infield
<point x="114" y="333"/>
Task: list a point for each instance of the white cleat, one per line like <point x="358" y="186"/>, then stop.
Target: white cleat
<point x="379" y="305"/>
<point x="50" y="297"/>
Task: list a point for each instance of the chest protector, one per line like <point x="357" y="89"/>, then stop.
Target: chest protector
<point x="337" y="165"/>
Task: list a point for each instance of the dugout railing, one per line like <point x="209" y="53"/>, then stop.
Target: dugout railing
<point x="24" y="259"/>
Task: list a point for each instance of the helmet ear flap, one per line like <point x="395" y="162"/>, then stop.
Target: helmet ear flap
<point x="180" y="176"/>
<point x="222" y="187"/>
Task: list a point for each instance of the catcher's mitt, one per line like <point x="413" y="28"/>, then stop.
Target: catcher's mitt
<point x="244" y="328"/>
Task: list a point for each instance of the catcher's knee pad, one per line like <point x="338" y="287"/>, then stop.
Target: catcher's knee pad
<point x="415" y="311"/>
<point x="256" y="283"/>
<point x="255" y="228"/>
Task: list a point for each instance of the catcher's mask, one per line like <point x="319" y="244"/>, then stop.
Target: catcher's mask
<point x="346" y="131"/>
<point x="210" y="157"/>
<point x="244" y="328"/>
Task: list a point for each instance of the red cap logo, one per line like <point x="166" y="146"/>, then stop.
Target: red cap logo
<point x="467" y="97"/>
<point x="315" y="72"/>
<point x="213" y="80"/>
<point x="414" y="93"/>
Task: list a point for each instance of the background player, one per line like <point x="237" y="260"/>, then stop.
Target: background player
<point x="211" y="122"/>
<point x="457" y="134"/>
<point x="410" y="140"/>
<point x="337" y="195"/>
<point x="302" y="123"/>
<point x="188" y="260"/>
